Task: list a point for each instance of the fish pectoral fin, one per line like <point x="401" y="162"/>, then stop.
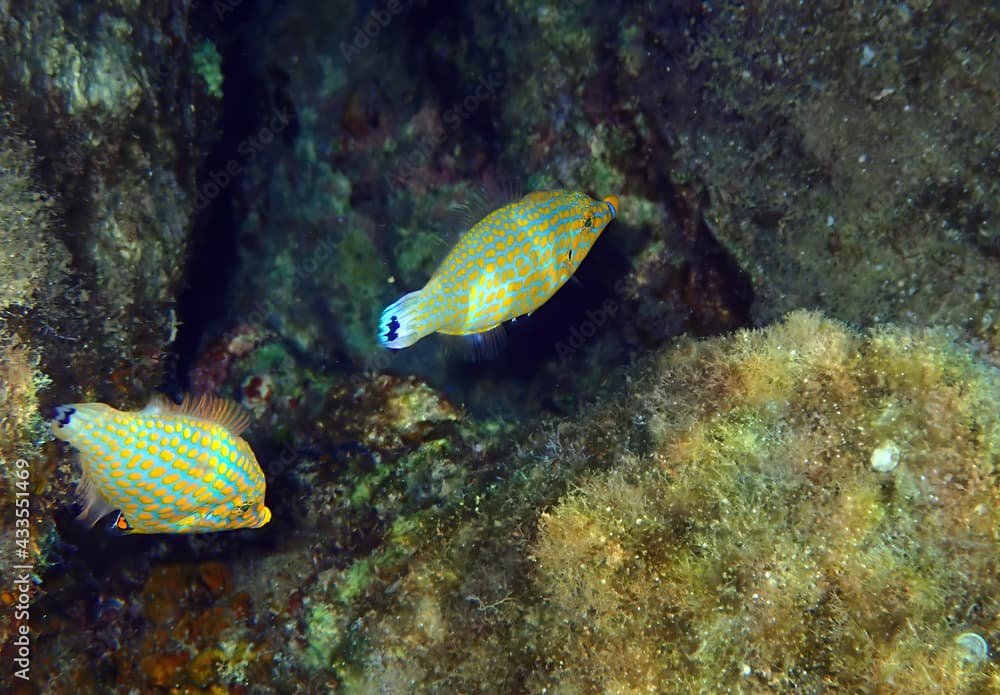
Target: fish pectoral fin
<point x="188" y="521"/>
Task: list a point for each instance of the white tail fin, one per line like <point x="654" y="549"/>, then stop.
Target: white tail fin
<point x="69" y="424"/>
<point x="404" y="322"/>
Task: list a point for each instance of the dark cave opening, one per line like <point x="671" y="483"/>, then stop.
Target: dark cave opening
<point x="213" y="257"/>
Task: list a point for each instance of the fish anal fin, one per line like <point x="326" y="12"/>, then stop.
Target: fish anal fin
<point x="486" y="345"/>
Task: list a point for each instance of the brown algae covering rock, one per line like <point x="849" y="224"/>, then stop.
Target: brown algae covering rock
<point x="730" y="535"/>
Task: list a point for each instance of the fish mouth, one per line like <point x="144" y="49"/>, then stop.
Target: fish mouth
<point x="612" y="201"/>
<point x="263" y="517"/>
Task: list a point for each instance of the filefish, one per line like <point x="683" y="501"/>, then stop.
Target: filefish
<point x="507" y="265"/>
<point x="167" y="468"/>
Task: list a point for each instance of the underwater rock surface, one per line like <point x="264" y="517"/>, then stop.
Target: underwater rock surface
<point x="717" y="527"/>
<point x="844" y="158"/>
<point x="607" y="508"/>
<point x="768" y="158"/>
<point x="97" y="161"/>
<point x="715" y="524"/>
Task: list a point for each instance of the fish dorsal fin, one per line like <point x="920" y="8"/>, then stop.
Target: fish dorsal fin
<point x="480" y="202"/>
<point x="222" y="411"/>
<point x="464" y="214"/>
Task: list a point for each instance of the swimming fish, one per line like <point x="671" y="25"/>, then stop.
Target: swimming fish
<point x="166" y="468"/>
<point x="507" y="265"/>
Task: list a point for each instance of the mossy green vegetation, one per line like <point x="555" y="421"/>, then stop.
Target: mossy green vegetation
<point x="207" y="64"/>
<point x="730" y="534"/>
<point x="32" y="265"/>
<point x="21" y="425"/>
<point x="26" y="219"/>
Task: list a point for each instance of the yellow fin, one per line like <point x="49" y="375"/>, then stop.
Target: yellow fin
<point x="222" y="411"/>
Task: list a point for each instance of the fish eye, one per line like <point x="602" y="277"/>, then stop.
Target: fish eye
<point x="589" y="222"/>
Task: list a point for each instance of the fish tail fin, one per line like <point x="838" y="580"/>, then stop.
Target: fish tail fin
<point x="68" y="420"/>
<point x="405" y="321"/>
<point x="69" y="423"/>
<point x="63" y="423"/>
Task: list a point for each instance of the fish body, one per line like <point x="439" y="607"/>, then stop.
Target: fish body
<point x="167" y="468"/>
<point x="507" y="265"/>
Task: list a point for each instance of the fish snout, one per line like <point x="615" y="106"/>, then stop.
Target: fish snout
<point x="612" y="203"/>
<point x="263" y="516"/>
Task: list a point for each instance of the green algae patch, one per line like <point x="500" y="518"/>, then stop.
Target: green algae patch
<point x="355" y="580"/>
<point x="207" y="64"/>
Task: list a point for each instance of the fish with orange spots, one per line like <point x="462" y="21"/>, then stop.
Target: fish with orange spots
<point x="167" y="468"/>
<point x="507" y="265"/>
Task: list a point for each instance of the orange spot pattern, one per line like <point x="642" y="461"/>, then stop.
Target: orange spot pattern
<point x="200" y="476"/>
<point x="512" y="261"/>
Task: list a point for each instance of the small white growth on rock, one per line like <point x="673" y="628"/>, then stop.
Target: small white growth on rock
<point x="974" y="650"/>
<point x="885" y="457"/>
